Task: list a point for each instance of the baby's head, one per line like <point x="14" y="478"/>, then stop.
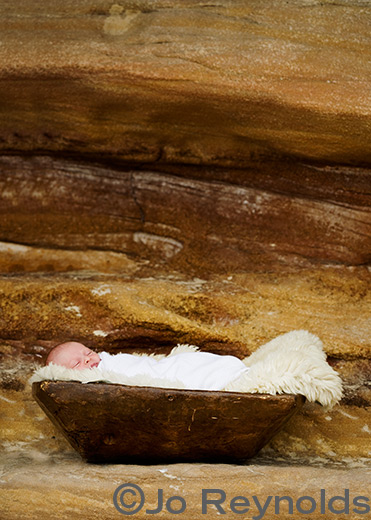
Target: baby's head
<point x="73" y="355"/>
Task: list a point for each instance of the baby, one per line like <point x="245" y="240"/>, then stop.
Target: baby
<point x="73" y="355"/>
<point x="293" y="363"/>
<point x="196" y="370"/>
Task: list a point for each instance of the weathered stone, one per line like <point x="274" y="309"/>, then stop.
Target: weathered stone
<point x="65" y="489"/>
<point x="213" y="104"/>
<point x="17" y="258"/>
<point x="213" y="83"/>
<point x="231" y="314"/>
<point x="192" y="224"/>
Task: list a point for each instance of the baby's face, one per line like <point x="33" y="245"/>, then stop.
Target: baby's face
<point x="74" y="355"/>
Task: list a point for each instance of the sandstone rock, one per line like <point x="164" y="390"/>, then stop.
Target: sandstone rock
<point x="213" y="83"/>
<point x="177" y="171"/>
<point x="66" y="489"/>
<point x="197" y="225"/>
<point x="233" y="314"/>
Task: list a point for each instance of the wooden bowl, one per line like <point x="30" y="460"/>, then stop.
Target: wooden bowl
<point x="146" y="425"/>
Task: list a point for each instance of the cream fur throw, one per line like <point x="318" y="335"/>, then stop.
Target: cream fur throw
<point x="294" y="363"/>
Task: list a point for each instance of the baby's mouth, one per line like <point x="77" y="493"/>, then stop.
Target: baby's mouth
<point x="94" y="365"/>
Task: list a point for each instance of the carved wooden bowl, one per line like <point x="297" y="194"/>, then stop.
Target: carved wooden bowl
<point x="146" y="425"/>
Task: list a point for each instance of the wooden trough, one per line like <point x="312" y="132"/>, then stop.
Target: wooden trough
<point x="146" y="425"/>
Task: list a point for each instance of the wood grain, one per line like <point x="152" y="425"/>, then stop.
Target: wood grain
<point x="116" y="423"/>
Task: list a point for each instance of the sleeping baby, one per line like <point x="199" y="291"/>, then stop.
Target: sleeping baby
<point x="196" y="370"/>
<point x="294" y="363"/>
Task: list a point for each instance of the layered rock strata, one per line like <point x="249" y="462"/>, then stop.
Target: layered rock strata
<point x="196" y="220"/>
<point x="176" y="171"/>
<point x="193" y="83"/>
<point x="65" y="489"/>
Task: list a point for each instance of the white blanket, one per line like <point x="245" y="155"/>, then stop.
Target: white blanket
<point x="195" y="370"/>
<point x="294" y="363"/>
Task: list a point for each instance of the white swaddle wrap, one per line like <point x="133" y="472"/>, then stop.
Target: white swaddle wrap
<point x="196" y="370"/>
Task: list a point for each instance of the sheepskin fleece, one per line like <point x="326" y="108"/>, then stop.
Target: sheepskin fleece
<point x="293" y="363"/>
